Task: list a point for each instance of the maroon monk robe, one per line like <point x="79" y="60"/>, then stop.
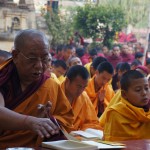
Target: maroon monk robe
<point x="11" y="89"/>
<point x="127" y="58"/>
<point x="114" y="60"/>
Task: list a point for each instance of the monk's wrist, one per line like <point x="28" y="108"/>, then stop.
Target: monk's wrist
<point x="27" y="122"/>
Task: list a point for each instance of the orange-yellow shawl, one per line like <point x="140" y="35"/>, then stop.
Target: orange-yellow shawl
<point x="126" y="122"/>
<point x="116" y="98"/>
<point x="84" y="113"/>
<point x="87" y="66"/>
<point x="90" y="89"/>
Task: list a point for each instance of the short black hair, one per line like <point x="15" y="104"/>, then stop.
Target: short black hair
<point x="138" y="55"/>
<point x="127" y="77"/>
<point x="59" y="48"/>
<point x="135" y="63"/>
<point x="66" y="47"/>
<point x="124" y="66"/>
<point x="59" y="63"/>
<point x="105" y="66"/>
<point x="118" y="66"/>
<point x="77" y="70"/>
<point x="93" y="52"/>
<point x="80" y="52"/>
<point x="147" y="61"/>
<point x="97" y="61"/>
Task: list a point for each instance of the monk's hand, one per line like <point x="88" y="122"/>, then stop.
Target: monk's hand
<point x="44" y="110"/>
<point x="44" y="127"/>
<point x="101" y="96"/>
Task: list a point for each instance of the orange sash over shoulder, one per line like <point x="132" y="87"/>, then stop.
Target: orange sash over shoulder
<point x="84" y="113"/>
<point x="90" y="89"/>
<point x="116" y="98"/>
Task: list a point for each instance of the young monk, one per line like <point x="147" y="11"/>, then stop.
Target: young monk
<point x="91" y="67"/>
<point x="123" y="67"/>
<point x="59" y="69"/>
<point x="84" y="112"/>
<point x="23" y="86"/>
<point x="129" y="119"/>
<point x="99" y="90"/>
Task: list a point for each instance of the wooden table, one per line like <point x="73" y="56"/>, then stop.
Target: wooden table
<point x="137" y="145"/>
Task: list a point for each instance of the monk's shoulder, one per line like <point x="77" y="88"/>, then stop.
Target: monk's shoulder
<point x="50" y="83"/>
<point x="85" y="98"/>
<point x="118" y="106"/>
<point x="84" y="94"/>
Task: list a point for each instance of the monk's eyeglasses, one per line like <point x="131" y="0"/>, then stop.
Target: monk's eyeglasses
<point x="33" y="60"/>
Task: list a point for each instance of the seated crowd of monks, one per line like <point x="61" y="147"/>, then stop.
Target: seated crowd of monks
<point x="76" y="89"/>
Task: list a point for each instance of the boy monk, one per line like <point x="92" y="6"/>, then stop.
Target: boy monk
<point x="130" y="118"/>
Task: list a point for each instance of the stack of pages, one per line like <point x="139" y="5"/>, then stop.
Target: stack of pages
<point x="89" y="133"/>
<point x="88" y="144"/>
<point x="68" y="145"/>
<point x="83" y="145"/>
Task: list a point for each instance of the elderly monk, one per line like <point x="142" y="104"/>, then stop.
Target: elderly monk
<point x="73" y="86"/>
<point x="99" y="90"/>
<point x="23" y="86"/>
<point x="74" y="61"/>
<point x="129" y="119"/>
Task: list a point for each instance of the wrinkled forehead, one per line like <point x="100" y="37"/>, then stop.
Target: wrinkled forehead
<point x="38" y="43"/>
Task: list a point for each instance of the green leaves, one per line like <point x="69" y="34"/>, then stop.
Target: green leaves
<point x="59" y="27"/>
<point x="99" y="21"/>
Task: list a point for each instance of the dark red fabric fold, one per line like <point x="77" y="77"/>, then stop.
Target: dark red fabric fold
<point x="11" y="89"/>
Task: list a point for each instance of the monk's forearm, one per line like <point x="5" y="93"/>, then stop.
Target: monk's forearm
<point x="10" y="120"/>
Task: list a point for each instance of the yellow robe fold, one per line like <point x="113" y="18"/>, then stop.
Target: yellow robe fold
<point x="90" y="89"/>
<point x="116" y="98"/>
<point x="53" y="76"/>
<point x="61" y="110"/>
<point x="84" y="113"/>
<point x="61" y="79"/>
<point x="126" y="122"/>
<point x="87" y="66"/>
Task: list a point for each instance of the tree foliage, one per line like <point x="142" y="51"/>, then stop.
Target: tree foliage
<point x="99" y="22"/>
<point x="136" y="10"/>
<point x="59" y="28"/>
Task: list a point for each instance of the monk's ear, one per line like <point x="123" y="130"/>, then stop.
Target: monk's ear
<point x="124" y="94"/>
<point x="92" y="70"/>
<point x="67" y="81"/>
<point x="15" y="55"/>
<point x="97" y="72"/>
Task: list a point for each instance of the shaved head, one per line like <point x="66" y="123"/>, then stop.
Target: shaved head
<point x="24" y="36"/>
